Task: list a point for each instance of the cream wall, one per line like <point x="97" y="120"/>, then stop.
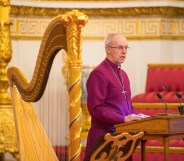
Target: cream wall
<point x="141" y="53"/>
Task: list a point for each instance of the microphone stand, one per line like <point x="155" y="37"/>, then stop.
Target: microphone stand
<point x="166" y="109"/>
<point x="180" y="107"/>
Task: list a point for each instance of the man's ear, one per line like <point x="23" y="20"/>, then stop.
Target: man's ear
<point x="107" y="49"/>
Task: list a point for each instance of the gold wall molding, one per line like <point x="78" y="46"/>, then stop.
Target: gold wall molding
<point x="135" y="22"/>
<point x="97" y="28"/>
<point x="96" y="0"/>
<point x="100" y="12"/>
<point x="158" y="28"/>
<point x="28" y="28"/>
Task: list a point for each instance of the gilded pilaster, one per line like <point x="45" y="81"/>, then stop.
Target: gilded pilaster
<point x="5" y="51"/>
<point x="7" y="128"/>
<point x="75" y="21"/>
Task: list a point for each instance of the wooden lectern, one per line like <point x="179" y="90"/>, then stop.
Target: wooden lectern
<point x="162" y="128"/>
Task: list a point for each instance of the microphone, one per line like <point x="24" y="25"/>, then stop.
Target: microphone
<point x="160" y="97"/>
<point x="181" y="107"/>
<point x="177" y="94"/>
<point x="164" y="86"/>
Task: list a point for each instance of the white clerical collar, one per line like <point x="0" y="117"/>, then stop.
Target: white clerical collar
<point x="119" y="67"/>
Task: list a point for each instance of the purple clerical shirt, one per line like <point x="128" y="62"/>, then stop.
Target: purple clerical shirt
<point x="106" y="101"/>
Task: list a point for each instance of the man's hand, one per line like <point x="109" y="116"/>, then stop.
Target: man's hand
<point x="132" y="117"/>
<point x="143" y="115"/>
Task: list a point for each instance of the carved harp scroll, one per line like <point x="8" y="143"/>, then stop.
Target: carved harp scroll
<point x="63" y="32"/>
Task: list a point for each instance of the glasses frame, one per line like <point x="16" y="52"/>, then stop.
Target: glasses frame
<point x="120" y="47"/>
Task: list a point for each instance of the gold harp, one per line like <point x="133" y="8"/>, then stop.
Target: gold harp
<point x="63" y="32"/>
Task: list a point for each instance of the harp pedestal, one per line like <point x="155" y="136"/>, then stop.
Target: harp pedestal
<point x="8" y="141"/>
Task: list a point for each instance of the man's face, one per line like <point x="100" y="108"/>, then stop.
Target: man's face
<point x="117" y="51"/>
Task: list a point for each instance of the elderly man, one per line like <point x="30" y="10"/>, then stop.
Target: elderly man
<point x="109" y="94"/>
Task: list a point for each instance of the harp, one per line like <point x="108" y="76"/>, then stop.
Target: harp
<point x="63" y="32"/>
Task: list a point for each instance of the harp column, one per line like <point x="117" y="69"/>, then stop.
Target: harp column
<point x="7" y="127"/>
<point x="75" y="21"/>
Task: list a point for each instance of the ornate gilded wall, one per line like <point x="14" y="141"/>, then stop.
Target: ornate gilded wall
<point x="134" y="22"/>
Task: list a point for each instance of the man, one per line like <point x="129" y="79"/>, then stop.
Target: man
<point x="109" y="94"/>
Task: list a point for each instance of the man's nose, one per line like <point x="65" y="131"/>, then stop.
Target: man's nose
<point x="124" y="51"/>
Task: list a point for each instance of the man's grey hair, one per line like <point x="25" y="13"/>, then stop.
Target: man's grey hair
<point x="109" y="39"/>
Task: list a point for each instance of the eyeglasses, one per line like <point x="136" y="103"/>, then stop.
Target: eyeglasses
<point x="120" y="47"/>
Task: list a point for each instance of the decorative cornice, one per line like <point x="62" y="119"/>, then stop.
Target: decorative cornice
<point x="135" y="23"/>
<point x="97" y="28"/>
<point x="94" y="0"/>
<point x="100" y="12"/>
<point x="81" y="0"/>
